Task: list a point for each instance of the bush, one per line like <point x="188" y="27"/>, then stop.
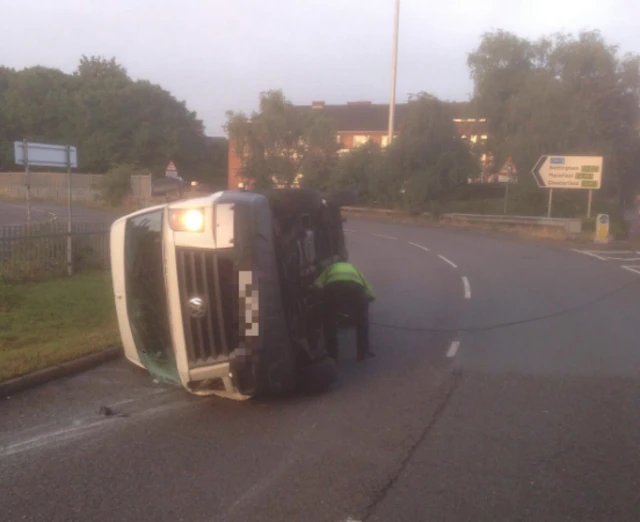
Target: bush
<point x="116" y="184"/>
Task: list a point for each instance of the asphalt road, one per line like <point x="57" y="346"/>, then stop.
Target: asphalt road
<point x="505" y="388"/>
<point x="14" y="213"/>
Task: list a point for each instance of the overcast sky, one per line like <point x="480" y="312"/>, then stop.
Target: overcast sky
<point x="219" y="55"/>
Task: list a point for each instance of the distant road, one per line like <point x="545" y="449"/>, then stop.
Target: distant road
<point x="13" y="213"/>
<point x="16" y="213"/>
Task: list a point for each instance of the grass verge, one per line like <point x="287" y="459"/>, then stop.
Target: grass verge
<point x="46" y="323"/>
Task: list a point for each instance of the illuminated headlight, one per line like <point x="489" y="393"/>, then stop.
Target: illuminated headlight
<point x="187" y="219"/>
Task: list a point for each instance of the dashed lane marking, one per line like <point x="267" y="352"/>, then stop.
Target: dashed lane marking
<point x="467" y="287"/>
<point x="419" y="246"/>
<point x="384" y="237"/>
<point x="448" y="261"/>
<point x="634" y="269"/>
<point x="453" y="349"/>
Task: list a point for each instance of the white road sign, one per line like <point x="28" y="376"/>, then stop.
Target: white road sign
<point x="569" y="172"/>
<point x="171" y="171"/>
<point x="44" y="155"/>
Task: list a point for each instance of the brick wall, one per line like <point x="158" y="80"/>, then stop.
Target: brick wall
<point x="235" y="164"/>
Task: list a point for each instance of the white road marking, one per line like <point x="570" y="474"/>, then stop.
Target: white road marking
<point x="348" y="230"/>
<point x="634" y="269"/>
<point x="453" y="349"/>
<point x="609" y="255"/>
<point x="448" y="261"/>
<point x="467" y="287"/>
<point x="47" y="439"/>
<point x="383" y="236"/>
<point x="77" y="429"/>
<point x="610" y="251"/>
<point x="419" y="246"/>
<point x="588" y="254"/>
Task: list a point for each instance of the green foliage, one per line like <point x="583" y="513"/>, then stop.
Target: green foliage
<point x="561" y="95"/>
<point x="116" y="184"/>
<point x="427" y="159"/>
<point x="281" y="142"/>
<point x="111" y="118"/>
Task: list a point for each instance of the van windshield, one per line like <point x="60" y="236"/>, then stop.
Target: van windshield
<point x="146" y="295"/>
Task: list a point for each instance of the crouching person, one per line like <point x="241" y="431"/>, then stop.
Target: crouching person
<point x="346" y="297"/>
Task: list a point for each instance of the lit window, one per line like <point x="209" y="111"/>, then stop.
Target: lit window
<point x="359" y="140"/>
<point x="483" y="137"/>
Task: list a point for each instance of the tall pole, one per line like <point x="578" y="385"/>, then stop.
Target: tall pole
<point x="589" y="204"/>
<point x="69" y="245"/>
<point x="27" y="182"/>
<point x="506" y="197"/>
<point x="550" y="203"/>
<point x="394" y="72"/>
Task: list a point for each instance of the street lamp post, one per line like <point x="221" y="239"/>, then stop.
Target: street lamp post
<point x="394" y="72"/>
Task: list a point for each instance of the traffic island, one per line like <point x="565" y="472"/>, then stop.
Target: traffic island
<point x="53" y="328"/>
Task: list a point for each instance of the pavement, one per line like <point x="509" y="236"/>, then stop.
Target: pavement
<point x="506" y="387"/>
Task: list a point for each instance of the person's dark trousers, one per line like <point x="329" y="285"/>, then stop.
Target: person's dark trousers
<point x="348" y="299"/>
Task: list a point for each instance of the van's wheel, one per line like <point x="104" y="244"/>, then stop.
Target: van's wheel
<point x="318" y="376"/>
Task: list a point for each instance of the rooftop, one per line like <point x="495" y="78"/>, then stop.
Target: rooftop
<point x="365" y="116"/>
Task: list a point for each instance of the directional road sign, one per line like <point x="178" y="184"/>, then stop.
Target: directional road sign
<point x="569" y="172"/>
<point x="44" y="155"/>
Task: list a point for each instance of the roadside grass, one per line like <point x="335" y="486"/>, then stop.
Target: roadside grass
<point x="46" y="323"/>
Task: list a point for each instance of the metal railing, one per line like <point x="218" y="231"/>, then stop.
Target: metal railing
<point x="571" y="225"/>
<point x="40" y="249"/>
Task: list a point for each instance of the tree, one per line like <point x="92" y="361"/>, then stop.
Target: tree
<point x="429" y="157"/>
<point x="112" y="119"/>
<point x="362" y="170"/>
<point x="560" y="95"/>
<point x="281" y="144"/>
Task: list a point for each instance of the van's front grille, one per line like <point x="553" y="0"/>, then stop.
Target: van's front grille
<point x="208" y="284"/>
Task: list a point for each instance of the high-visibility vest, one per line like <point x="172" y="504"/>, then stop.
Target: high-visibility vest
<point x="344" y="272"/>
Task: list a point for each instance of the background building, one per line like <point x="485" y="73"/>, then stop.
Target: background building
<point x="358" y="122"/>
